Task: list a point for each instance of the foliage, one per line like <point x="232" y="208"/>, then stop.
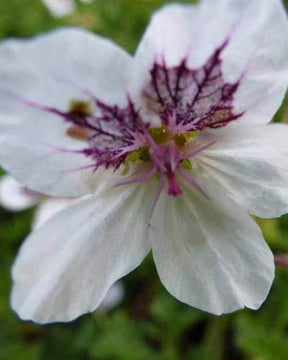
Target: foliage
<point x="149" y="323"/>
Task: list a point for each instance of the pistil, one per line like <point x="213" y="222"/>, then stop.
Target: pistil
<point x="173" y="186"/>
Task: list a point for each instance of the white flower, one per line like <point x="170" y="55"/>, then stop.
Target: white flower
<point x="14" y="197"/>
<point x="60" y="8"/>
<point x="181" y="128"/>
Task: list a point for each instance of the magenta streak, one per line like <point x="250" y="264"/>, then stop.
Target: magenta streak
<point x="201" y="86"/>
<point x="92" y="127"/>
<point x="157" y="195"/>
<point x="193" y="125"/>
<point x="71" y="151"/>
<point x="173" y="186"/>
<point x="180" y="71"/>
<point x="32" y="103"/>
<point x="125" y="150"/>
<point x="138" y="143"/>
<point x="167" y="80"/>
<point x="158" y="162"/>
<point x="197" y="150"/>
<point x="172" y="121"/>
<point x="210" y="114"/>
<point x="151" y="141"/>
<point x="78" y="169"/>
<point x="155" y="84"/>
<point x="61" y="113"/>
<point x="180" y="127"/>
<point x="77" y="87"/>
<point x="140" y="179"/>
<point x="81" y="151"/>
<point x="52" y="110"/>
<point x="192" y="181"/>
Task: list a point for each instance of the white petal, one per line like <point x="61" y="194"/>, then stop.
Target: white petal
<point x="113" y="297"/>
<point x="66" y="267"/>
<point x="33" y="141"/>
<point x="169" y="35"/>
<point x="38" y="154"/>
<point x="14" y="197"/>
<point x="251" y="164"/>
<point x="35" y="70"/>
<point x="60" y="8"/>
<point x="47" y="208"/>
<point x="257" y="49"/>
<point x="210" y="254"/>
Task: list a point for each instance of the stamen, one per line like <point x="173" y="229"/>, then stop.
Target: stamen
<point x="180" y="140"/>
<point x="79" y="107"/>
<point x="140" y="179"/>
<point x="157" y="151"/>
<point x="77" y="132"/>
<point x="80" y="168"/>
<point x="173" y="156"/>
<point x="187" y="165"/>
<point x="157" y="195"/>
<point x="192" y="181"/>
<point x="197" y="150"/>
<point x="136" y="157"/>
<point x="160" y="135"/>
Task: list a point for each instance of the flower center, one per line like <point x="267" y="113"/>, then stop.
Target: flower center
<point x="161" y="152"/>
<point x="166" y="152"/>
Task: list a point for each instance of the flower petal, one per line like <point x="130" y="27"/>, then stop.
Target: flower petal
<point x="37" y="152"/>
<point x="256" y="51"/>
<point x="34" y="70"/>
<point x="60" y="8"/>
<point x="210" y="254"/>
<point x="47" y="208"/>
<point x="251" y="164"/>
<point x="35" y="146"/>
<point x="15" y="197"/>
<point x="66" y="267"/>
<point x="169" y="35"/>
<point x="113" y="297"/>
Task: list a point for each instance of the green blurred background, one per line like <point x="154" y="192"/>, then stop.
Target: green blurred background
<point x="149" y="323"/>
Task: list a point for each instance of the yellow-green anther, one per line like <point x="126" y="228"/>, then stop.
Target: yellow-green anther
<point x="125" y="169"/>
<point x="180" y="140"/>
<point x="139" y="155"/>
<point x="160" y="135"/>
<point x="136" y="157"/>
<point x="187" y="165"/>
<point x="144" y="154"/>
<point x="192" y="134"/>
<point x="80" y="107"/>
<point x="132" y="157"/>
